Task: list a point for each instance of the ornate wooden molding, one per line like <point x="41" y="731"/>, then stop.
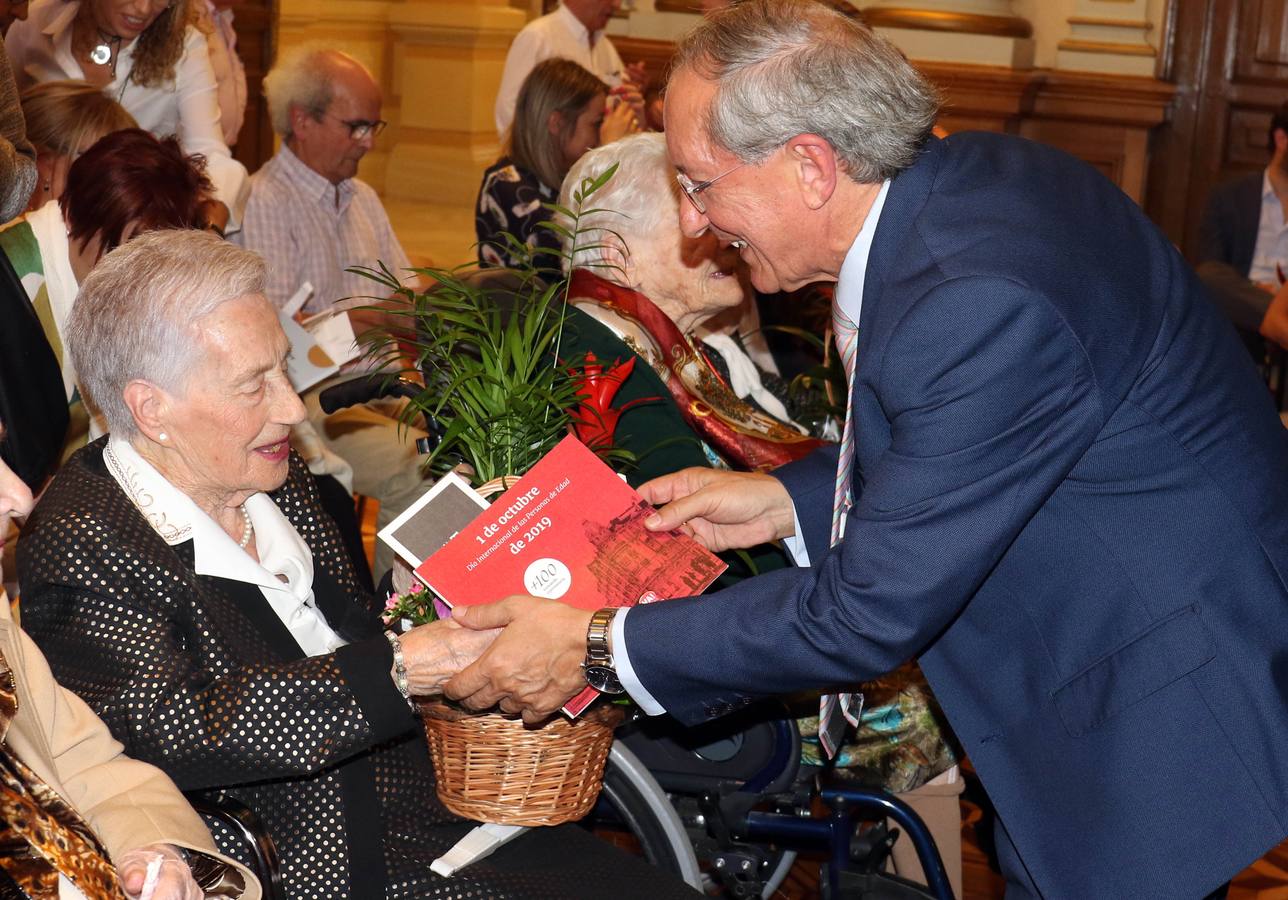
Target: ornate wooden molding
<point x="1111" y="47"/>
<point x="940" y="20"/>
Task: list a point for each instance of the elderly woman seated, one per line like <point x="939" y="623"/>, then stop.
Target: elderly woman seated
<point x="182" y="578"/>
<point x="671" y="301"/>
<point x="657" y="293"/>
<point x="77" y="817"/>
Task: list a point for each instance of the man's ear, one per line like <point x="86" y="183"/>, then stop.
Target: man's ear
<point x="148" y="404"/>
<point x="1281" y="140"/>
<point x="301" y="118"/>
<point x="816" y="168"/>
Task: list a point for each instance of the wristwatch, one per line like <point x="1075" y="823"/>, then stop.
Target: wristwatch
<point x="598" y="666"/>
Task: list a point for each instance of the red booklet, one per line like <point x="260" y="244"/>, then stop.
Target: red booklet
<point x="571" y="530"/>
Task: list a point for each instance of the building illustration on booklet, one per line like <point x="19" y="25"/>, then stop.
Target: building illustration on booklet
<point x="628" y="554"/>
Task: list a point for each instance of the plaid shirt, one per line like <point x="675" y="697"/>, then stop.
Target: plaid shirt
<point x="308" y="229"/>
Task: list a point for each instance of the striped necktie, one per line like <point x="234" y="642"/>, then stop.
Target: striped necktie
<point x="834" y="710"/>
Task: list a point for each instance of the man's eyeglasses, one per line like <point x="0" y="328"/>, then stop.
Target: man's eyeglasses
<point x="692" y="190"/>
<point x="359" y="129"/>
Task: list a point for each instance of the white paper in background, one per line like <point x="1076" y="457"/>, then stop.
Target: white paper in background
<point x="308" y="363"/>
<point x="298" y="299"/>
<point x="334" y="334"/>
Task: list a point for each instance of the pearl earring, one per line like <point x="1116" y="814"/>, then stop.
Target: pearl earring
<point x="163" y="437"/>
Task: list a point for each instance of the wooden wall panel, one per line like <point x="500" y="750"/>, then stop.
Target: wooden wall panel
<point x="1104" y="119"/>
<point x="1230" y="64"/>
<point x="255" y="23"/>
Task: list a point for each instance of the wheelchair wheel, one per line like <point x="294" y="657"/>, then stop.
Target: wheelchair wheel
<point x="633" y="803"/>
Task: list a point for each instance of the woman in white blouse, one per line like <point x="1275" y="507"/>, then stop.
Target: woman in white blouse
<point x="144" y="54"/>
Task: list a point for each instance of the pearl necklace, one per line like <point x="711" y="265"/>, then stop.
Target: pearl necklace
<point x="248" y="532"/>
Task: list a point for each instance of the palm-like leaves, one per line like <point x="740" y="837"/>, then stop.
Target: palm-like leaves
<point x="489" y="352"/>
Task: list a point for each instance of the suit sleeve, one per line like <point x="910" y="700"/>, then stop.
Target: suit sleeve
<point x="991" y="402"/>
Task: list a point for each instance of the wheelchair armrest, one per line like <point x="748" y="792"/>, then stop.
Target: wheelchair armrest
<point x="218" y="806"/>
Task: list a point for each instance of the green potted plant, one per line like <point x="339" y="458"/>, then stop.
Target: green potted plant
<point x="502" y="394"/>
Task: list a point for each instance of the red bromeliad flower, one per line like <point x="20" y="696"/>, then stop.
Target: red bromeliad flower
<point x="594" y="420"/>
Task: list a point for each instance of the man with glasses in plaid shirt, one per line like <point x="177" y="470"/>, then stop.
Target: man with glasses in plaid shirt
<point x="311" y="218"/>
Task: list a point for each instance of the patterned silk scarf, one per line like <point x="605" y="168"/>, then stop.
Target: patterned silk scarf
<point x="744" y="436"/>
<point x="41" y="836"/>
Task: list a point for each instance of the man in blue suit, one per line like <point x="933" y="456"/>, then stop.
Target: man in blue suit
<point x="1068" y="493"/>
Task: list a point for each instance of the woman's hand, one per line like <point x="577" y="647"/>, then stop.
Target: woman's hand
<point x="171" y="878"/>
<point x="619" y="121"/>
<point x="435" y="652"/>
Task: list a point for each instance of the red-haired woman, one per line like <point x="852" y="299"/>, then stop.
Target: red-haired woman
<point x="126" y="184"/>
<point x="146" y="55"/>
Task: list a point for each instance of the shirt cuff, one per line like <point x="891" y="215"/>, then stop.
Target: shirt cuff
<point x="626" y="672"/>
<point x="795" y="545"/>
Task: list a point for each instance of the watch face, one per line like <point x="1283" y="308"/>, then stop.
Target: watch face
<point x="603" y="679"/>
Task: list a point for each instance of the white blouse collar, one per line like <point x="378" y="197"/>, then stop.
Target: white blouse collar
<point x="176" y="518"/>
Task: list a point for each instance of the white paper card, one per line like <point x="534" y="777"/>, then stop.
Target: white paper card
<point x="434" y="519"/>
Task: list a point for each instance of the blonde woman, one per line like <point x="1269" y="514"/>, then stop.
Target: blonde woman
<point x="64" y="119"/>
<point x="562" y="112"/>
<point x="146" y="56"/>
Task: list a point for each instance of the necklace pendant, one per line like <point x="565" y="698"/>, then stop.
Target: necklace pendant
<point x="101" y="55"/>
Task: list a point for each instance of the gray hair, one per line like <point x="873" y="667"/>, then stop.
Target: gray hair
<point x="640" y="198"/>
<point x="304" y="77"/>
<point x="789" y="67"/>
<point x="136" y="314"/>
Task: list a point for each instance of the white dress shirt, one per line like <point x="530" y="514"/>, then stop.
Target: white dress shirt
<point x="284" y="572"/>
<point x="558" y="34"/>
<point x="40" y="49"/>
<point x="849" y="297"/>
<point x="1272" y="238"/>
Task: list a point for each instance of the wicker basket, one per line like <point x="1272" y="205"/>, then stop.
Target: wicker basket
<point x="495" y="769"/>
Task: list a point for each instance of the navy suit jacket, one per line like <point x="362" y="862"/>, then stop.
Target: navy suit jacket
<point x="1072" y="508"/>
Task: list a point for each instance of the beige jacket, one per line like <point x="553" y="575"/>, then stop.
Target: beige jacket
<point x="128" y="803"/>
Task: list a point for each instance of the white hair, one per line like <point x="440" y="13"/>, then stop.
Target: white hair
<point x="304" y="77"/>
<point x="137" y="314"/>
<point x="639" y="200"/>
<point x="789" y="67"/>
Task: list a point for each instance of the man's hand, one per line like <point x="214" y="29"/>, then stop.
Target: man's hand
<point x="534" y="667"/>
<point x="1274" y="326"/>
<point x="721" y="509"/>
<point x="435" y="652"/>
<point x="174" y="879"/>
